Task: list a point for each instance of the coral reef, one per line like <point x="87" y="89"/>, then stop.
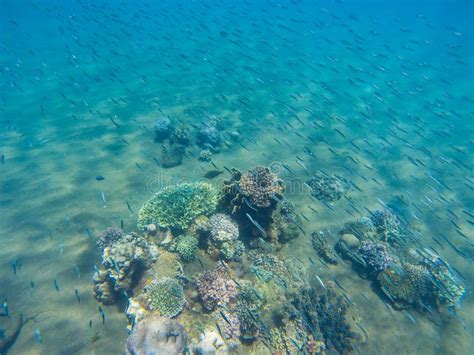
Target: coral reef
<point x="388" y="225"/>
<point x="409" y="286"/>
<point x="205" y="155"/>
<point x="177" y="206"/>
<point x="376" y="256"/>
<point x="325" y="318"/>
<point x="285" y="226"/>
<point x="448" y="290"/>
<point x="260" y="186"/>
<point x="268" y="267"/>
<point x="223" y="241"/>
<point x="216" y="288"/>
<point x="229" y="326"/>
<point x="185" y="246"/>
<point x="249" y="305"/>
<point x="362" y="229"/>
<point x="327" y="188"/>
<point x="166" y="296"/>
<point x="122" y="264"/>
<point x="108" y="237"/>
<point x="180" y="135"/>
<point x="163" y="128"/>
<point x="209" y="138"/>
<point x="157" y="335"/>
<point x="172" y="155"/>
<point x="322" y="247"/>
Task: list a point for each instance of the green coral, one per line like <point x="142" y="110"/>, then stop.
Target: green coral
<point x="177" y="206"/>
<point x="186" y="247"/>
<point x="167" y="297"/>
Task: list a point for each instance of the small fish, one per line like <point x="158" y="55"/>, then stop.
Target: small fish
<point x="129" y="207"/>
<point x="320" y="281"/>
<point x="99" y="178"/>
<point x="103" y="197"/>
<point x="37" y="335"/>
<point x="255" y="223"/>
<point x="6" y="310"/>
<point x="76" y="292"/>
<point x="55" y="284"/>
<point x="102" y="314"/>
<point x="88" y="233"/>
<point x="32" y="288"/>
<point x="212" y="174"/>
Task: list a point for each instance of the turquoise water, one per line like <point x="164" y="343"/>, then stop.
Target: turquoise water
<point x="379" y="92"/>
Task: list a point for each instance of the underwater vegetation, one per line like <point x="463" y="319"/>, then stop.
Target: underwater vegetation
<point x="177" y="206"/>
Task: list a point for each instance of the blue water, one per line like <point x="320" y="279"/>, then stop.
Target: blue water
<point x="380" y="91"/>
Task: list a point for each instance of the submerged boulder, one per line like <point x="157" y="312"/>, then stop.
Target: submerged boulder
<point x="157" y="335"/>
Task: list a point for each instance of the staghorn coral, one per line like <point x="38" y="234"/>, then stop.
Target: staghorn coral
<point x="216" y="288"/>
<point x="177" y="206"/>
<point x="223" y="241"/>
<point x="157" y="335"/>
<point x="166" y="296"/>
<point x="259" y="185"/>
<point x="122" y="263"/>
<point x="327" y="188"/>
<point x="185" y="246"/>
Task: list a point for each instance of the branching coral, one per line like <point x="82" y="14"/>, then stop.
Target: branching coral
<point x="177" y="206"/>
<point x="166" y="296"/>
<point x="259" y="185"/>
<point x="216" y="288"/>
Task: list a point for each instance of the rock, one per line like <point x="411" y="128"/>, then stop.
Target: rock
<point x="211" y="343"/>
<point x="350" y="241"/>
<point x="163" y="128"/>
<point x="157" y="335"/>
<point x="172" y="156"/>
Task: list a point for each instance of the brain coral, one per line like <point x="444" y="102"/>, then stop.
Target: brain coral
<point x="177" y="206"/>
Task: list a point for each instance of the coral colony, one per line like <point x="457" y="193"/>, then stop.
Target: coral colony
<point x="204" y="264"/>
